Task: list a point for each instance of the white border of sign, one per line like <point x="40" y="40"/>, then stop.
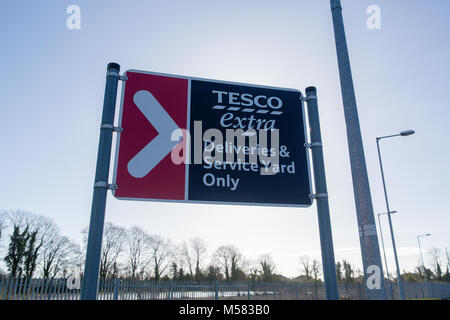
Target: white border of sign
<point x="116" y="156"/>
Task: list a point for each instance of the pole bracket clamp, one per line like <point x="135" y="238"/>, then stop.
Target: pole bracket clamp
<point x="116" y="74"/>
<point x="313" y="145"/>
<point x="103" y="184"/>
<point x="318" y="195"/>
<point x="309" y="97"/>
<point x="111" y="127"/>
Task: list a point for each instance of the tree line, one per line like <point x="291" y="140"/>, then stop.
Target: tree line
<point x="33" y="246"/>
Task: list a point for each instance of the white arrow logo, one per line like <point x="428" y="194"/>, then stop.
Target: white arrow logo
<point x="152" y="154"/>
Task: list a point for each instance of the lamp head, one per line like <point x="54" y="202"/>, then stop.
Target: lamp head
<point x="407" y="133"/>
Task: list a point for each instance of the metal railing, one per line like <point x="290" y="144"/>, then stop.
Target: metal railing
<point x="126" y="289"/>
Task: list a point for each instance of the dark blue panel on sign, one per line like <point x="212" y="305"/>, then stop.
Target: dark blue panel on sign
<point x="222" y="106"/>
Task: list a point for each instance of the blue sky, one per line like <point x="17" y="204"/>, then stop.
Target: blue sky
<point x="53" y="84"/>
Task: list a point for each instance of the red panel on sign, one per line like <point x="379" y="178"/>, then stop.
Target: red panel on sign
<point x="165" y="180"/>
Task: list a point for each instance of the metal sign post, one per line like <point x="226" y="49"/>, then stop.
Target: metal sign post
<point x="101" y="186"/>
<point x="370" y="250"/>
<point x="169" y="103"/>
<point x="321" y="196"/>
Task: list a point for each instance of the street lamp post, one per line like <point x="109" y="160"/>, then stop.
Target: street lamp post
<point x="384" y="252"/>
<point x="399" y="276"/>
<point x="370" y="251"/>
<point x="421" y="255"/>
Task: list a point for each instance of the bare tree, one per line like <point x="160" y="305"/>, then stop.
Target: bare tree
<point x="46" y="248"/>
<point x="229" y="259"/>
<point x="315" y="268"/>
<point x="222" y="258"/>
<point x="66" y="259"/>
<point x="253" y="269"/>
<point x="306" y="266"/>
<point x="38" y="228"/>
<point x="348" y="271"/>
<point x="79" y="257"/>
<point x="161" y="254"/>
<point x="19" y="218"/>
<point x="435" y="255"/>
<point x="178" y="265"/>
<point x="360" y="275"/>
<point x="199" y="248"/>
<point x="267" y="266"/>
<point x="236" y="264"/>
<point x="187" y="257"/>
<point x="72" y="261"/>
<point x="44" y="227"/>
<point x="53" y="245"/>
<point x="137" y="240"/>
<point x="57" y="256"/>
<point x="112" y="246"/>
<point x="3" y="222"/>
<point x="193" y="254"/>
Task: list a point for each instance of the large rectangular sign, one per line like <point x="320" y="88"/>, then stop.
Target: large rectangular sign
<point x="194" y="140"/>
